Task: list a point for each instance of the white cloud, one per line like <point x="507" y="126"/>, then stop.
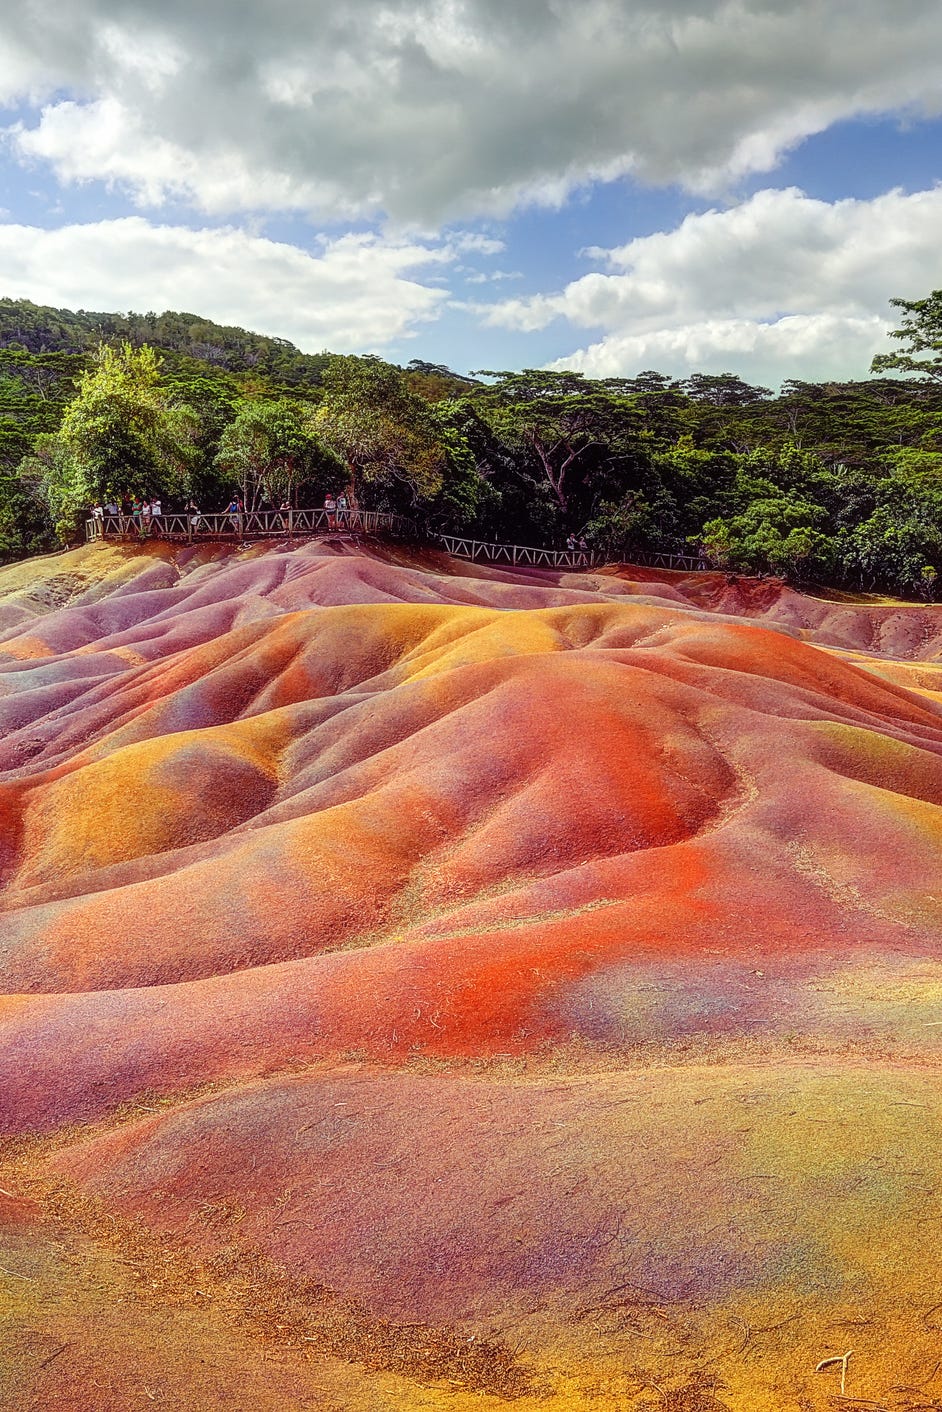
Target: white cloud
<point x="106" y="141"/>
<point x="494" y="277"/>
<point x="816" y="347"/>
<point x="475" y="243"/>
<point x="779" y="286"/>
<point x="431" y="110"/>
<point x="357" y="293"/>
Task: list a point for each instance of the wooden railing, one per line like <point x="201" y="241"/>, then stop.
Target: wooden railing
<point x="482" y="551"/>
<point x="269" y="524"/>
<point x="693" y="563"/>
<point x="249" y="524"/>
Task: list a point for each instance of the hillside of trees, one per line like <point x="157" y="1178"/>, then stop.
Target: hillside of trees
<point x="37" y="328"/>
<point x="831" y="483"/>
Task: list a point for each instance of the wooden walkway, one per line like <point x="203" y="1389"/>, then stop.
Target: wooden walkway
<point x="517" y="555"/>
<point x="250" y="524"/>
<point x="309" y="524"/>
<point x="687" y="563"/>
<point x="483" y="551"/>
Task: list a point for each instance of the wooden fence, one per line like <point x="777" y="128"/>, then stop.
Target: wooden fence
<point x="270" y="524"/>
<point x="482" y="551"/>
<point x="250" y="524"/>
<point x="691" y="563"/>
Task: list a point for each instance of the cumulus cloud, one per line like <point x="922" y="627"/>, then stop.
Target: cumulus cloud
<point x="356" y="293"/>
<point x="779" y="285"/>
<point x="430" y="110"/>
<point x="816" y="347"/>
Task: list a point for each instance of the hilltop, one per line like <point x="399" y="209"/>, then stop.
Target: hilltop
<point x="40" y="329"/>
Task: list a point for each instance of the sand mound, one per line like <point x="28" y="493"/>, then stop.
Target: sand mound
<point x="658" y="851"/>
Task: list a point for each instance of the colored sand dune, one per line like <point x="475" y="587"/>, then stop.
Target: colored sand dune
<point x="430" y="987"/>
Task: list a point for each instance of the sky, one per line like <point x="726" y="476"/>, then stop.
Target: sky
<point x="605" y="185"/>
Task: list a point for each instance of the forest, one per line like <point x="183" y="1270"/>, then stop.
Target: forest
<point x="834" y="484"/>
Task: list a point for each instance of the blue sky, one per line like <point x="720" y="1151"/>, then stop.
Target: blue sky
<point x="609" y="185"/>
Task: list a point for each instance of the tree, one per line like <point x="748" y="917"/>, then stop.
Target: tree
<point x="634" y="522"/>
<point x="723" y="390"/>
<point x="120" y="436"/>
<point x="270" y="450"/>
<point x="894" y="548"/>
<point x="899" y="542"/>
<point x="385" y="434"/>
<point x="25" y="527"/>
<point x="467" y="500"/>
<point x="435" y="382"/>
<point x="776" y="535"/>
<point x="921" y="332"/>
<point x="561" y="419"/>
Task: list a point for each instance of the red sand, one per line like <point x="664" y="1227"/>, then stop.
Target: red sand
<point x="653" y="849"/>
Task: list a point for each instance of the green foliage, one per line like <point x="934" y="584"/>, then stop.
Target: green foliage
<point x="25" y="526"/>
<point x="435" y="382"/>
<point x="39" y="329"/>
<point x="899" y="544"/>
<point x="893" y="551"/>
<point x="840" y="482"/>
<point x="723" y="390"/>
<point x="566" y="430"/>
<point x="628" y="524"/>
<point x="920" y="332"/>
<point x="269" y="452"/>
<point x="121" y="436"/>
<point x="388" y="437"/>
<point x="775" y="535"/>
<point x="467" y="496"/>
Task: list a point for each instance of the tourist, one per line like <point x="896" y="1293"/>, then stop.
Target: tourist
<point x="330" y="505"/>
<point x="193" y="514"/>
<point x="234" y="511"/>
<point x="342" y="508"/>
<point x="284" y="514"/>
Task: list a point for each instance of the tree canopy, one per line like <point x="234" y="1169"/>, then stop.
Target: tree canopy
<point x="269" y="452"/>
<point x="385" y="433"/>
<point x="830" y="482"/>
<point x="121" y="435"/>
<point x="920" y="332"/>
